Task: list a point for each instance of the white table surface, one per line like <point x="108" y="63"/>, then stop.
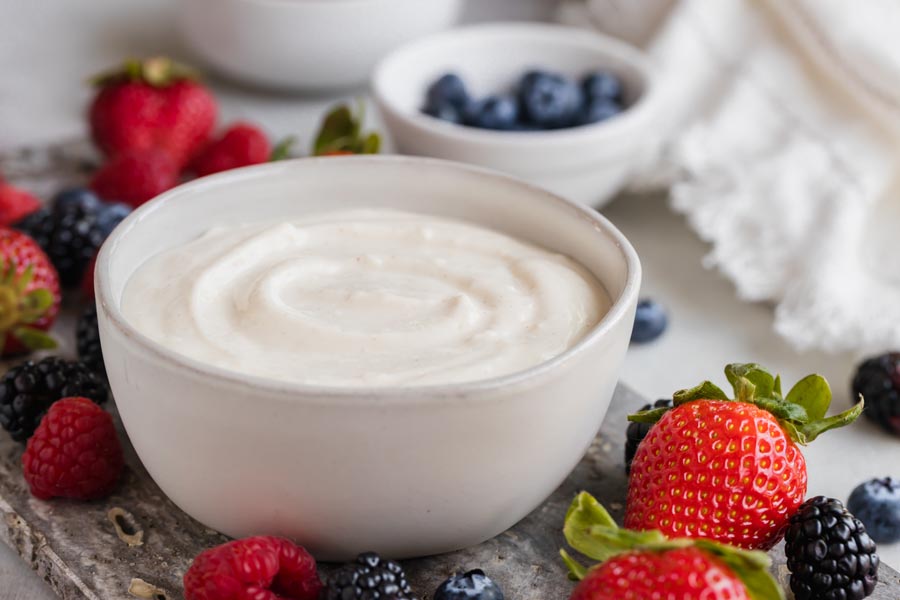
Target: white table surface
<point x="49" y="47"/>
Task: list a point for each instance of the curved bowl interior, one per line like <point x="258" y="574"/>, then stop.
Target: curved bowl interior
<point x="343" y="470"/>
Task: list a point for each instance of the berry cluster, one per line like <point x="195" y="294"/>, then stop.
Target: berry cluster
<point x="71" y="229"/>
<point x="542" y="100"/>
<point x="271" y="567"/>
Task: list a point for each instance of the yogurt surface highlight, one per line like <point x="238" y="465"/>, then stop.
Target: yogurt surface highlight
<point x="364" y="298"/>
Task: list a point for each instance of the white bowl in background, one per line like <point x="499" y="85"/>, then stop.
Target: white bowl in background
<point x="405" y="471"/>
<point x="587" y="164"/>
<point x="309" y="45"/>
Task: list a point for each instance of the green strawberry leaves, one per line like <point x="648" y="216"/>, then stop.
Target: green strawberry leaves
<point x="341" y="133"/>
<point x="705" y="391"/>
<point x="34" y="339"/>
<point x="282" y="150"/>
<point x="801" y="413"/>
<point x="812" y="393"/>
<point x="157" y="71"/>
<point x="591" y="531"/>
<point x="19" y="308"/>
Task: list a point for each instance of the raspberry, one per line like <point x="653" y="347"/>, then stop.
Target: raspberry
<point x="256" y="568"/>
<point x="241" y="145"/>
<point x="135" y="177"/>
<point x="74" y="452"/>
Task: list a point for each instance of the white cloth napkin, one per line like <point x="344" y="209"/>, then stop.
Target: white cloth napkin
<point x="781" y="145"/>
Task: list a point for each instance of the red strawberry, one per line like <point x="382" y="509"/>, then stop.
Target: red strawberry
<point x="153" y="103"/>
<point x="135" y="177"/>
<point x="261" y="568"/>
<point x="729" y="470"/>
<point x="15" y="204"/>
<point x="29" y="294"/>
<point x="241" y="145"/>
<point x="74" y="452"/>
<point x="648" y="566"/>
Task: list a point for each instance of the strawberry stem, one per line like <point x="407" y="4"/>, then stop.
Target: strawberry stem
<point x="801" y="413"/>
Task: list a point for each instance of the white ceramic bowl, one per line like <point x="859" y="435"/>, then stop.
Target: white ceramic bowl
<point x="310" y="45"/>
<point x="406" y="471"/>
<point x="586" y="164"/>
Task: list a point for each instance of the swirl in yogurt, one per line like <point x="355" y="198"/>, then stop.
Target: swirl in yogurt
<point x="364" y="298"/>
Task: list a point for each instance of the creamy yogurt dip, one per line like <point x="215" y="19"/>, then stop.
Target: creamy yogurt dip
<point x="364" y="298"/>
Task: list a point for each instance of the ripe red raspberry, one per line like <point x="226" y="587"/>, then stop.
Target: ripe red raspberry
<point x="74" y="452"/>
<point x="241" y="145"/>
<point x="135" y="177"/>
<point x="256" y="568"/>
<point x="15" y="204"/>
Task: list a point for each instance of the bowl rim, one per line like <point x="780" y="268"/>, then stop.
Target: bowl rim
<point x="622" y="124"/>
<point x="112" y="310"/>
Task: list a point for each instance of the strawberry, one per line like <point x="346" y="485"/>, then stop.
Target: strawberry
<point x="154" y="103"/>
<point x="241" y="145"/>
<point x="729" y="470"/>
<point x="648" y="566"/>
<point x="135" y="176"/>
<point x="29" y="294"/>
<point x="15" y="204"/>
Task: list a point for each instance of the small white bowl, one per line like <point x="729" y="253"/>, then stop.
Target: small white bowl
<point x="587" y="164"/>
<point x="405" y="471"/>
<point x="309" y="45"/>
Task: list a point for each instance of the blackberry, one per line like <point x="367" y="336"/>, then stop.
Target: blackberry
<point x="369" y="577"/>
<point x="28" y="390"/>
<point x="878" y="381"/>
<point x="71" y="231"/>
<point x="636" y="432"/>
<point x="830" y="555"/>
<point x="87" y="338"/>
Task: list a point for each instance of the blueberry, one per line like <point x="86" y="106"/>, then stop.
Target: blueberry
<point x="494" y="112"/>
<point x="549" y="100"/>
<point x="596" y="110"/>
<point x="76" y="200"/>
<point x="877" y="504"/>
<point x="109" y="215"/>
<point x="448" y="89"/>
<point x="444" y="112"/>
<point x="602" y="84"/>
<point x="474" y="585"/>
<point x="650" y="321"/>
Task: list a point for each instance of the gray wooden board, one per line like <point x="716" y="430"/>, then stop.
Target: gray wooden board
<point x="75" y="549"/>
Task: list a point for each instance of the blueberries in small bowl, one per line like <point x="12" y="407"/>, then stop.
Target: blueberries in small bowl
<point x="541" y="100"/>
<point x="548" y="100"/>
<point x="494" y="112"/>
<point x="602" y="86"/>
<point x="448" y="90"/>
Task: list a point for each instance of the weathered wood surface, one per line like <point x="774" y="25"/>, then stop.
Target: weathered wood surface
<point x="76" y="550"/>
